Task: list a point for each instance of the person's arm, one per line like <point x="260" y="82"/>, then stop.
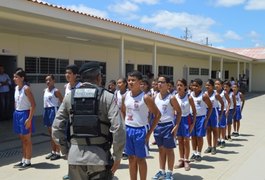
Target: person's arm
<point x="208" y="102"/>
<point x="228" y="104"/>
<point x="242" y="97"/>
<point x="177" y="108"/>
<point x="32" y="107"/>
<point x="59" y="126"/>
<point x="58" y="95"/>
<point x="219" y="98"/>
<point x="234" y="101"/>
<point x="153" y="109"/>
<point x="194" y="112"/>
<point x="118" y="133"/>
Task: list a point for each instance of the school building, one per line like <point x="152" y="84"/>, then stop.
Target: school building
<point x="43" y="38"/>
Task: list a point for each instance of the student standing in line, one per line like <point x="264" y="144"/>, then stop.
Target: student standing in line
<point x="23" y="122"/>
<point x="52" y="97"/>
<point x="184" y="131"/>
<point x="232" y="108"/>
<point x="112" y="86"/>
<point x="223" y="121"/>
<point x="119" y="93"/>
<point x="166" y="129"/>
<point x="71" y="75"/>
<point x="215" y="117"/>
<point x="135" y="108"/>
<point x="201" y="101"/>
<point x="240" y="101"/>
<point x="146" y="87"/>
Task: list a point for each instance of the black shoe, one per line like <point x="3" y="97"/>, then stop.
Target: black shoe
<point x="49" y="156"/>
<point x="213" y="152"/>
<point x="233" y="133"/>
<point x="198" y="158"/>
<point x="208" y="150"/>
<point x="222" y="144"/>
<point x="219" y="143"/>
<point x="236" y="134"/>
<point x="66" y="177"/>
<point x="124" y="156"/>
<point x="18" y="165"/>
<point x="55" y="157"/>
<point x="192" y="158"/>
<point x="24" y="166"/>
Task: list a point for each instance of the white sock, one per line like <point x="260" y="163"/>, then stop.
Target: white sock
<point x="23" y="160"/>
<point x="199" y="153"/>
<point x="169" y="171"/>
<point x="53" y="152"/>
<point x="27" y="161"/>
<point x="163" y="171"/>
<point x="195" y="152"/>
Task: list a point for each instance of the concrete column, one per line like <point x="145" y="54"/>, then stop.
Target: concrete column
<point x="222" y="68"/>
<point x="238" y="70"/>
<point x="154" y="63"/>
<point x="210" y="66"/>
<point x="250" y="78"/>
<point x="245" y="67"/>
<point x="122" y="61"/>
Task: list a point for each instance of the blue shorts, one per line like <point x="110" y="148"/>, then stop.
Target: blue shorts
<point x="19" y="119"/>
<point x="230" y="117"/>
<point x="49" y="115"/>
<point x="199" y="130"/>
<point x="213" y="120"/>
<point x="184" y="127"/>
<point x="163" y="135"/>
<point x="222" y="122"/>
<point x="135" y="141"/>
<point x="238" y="115"/>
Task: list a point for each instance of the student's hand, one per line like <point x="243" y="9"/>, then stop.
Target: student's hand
<point x="115" y="166"/>
<point x="147" y="137"/>
<point x="174" y="131"/>
<point x="28" y="123"/>
<point x="205" y="124"/>
<point x="192" y="127"/>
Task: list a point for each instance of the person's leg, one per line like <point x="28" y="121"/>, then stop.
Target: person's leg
<point x="162" y="158"/>
<point x="215" y="136"/>
<point x="133" y="167"/>
<point x="200" y="144"/>
<point x="170" y="157"/>
<point x="209" y="136"/>
<point x="78" y="172"/>
<point x="238" y="126"/>
<point x="141" y="162"/>
<point x="28" y="144"/>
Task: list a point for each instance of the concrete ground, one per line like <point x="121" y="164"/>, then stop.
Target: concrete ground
<point x="241" y="159"/>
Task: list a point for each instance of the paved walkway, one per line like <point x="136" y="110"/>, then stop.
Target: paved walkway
<point x="241" y="159"/>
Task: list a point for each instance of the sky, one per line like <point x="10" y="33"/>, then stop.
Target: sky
<point x="221" y="23"/>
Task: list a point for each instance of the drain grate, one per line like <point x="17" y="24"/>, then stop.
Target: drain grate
<point x="9" y="153"/>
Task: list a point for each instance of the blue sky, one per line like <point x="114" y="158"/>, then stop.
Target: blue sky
<point x="226" y="23"/>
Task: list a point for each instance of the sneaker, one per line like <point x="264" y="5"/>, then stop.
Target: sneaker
<point x="236" y="134"/>
<point x="18" y="165"/>
<point x="124" y="156"/>
<point x="179" y="165"/>
<point x="198" y="158"/>
<point x="208" y="150"/>
<point x="66" y="177"/>
<point x="222" y="144"/>
<point x="169" y="176"/>
<point x="49" y="156"/>
<point x="24" y="166"/>
<point x="213" y="152"/>
<point x="159" y="175"/>
<point x="219" y="143"/>
<point x="186" y="165"/>
<point x="233" y="133"/>
<point x="55" y="157"/>
<point x="192" y="158"/>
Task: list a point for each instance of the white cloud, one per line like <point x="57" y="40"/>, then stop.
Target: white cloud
<point x="88" y="10"/>
<point x="150" y="2"/>
<point x="176" y="1"/>
<point x="232" y="35"/>
<point x="125" y="7"/>
<point x="198" y="25"/>
<point x="255" y="5"/>
<point x="253" y="34"/>
<point x="229" y="3"/>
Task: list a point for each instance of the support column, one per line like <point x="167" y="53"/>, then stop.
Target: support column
<point x="245" y="67"/>
<point x="154" y="63"/>
<point x="210" y="66"/>
<point x="250" y="78"/>
<point x="122" y="61"/>
<point x="222" y="68"/>
<point x="238" y="70"/>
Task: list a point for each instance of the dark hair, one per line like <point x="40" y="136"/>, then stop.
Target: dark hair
<point x="198" y="81"/>
<point x="211" y="82"/>
<point x="112" y="82"/>
<point x="171" y="82"/>
<point x="51" y="75"/>
<point x="166" y="78"/>
<point x="227" y="83"/>
<point x="73" y="68"/>
<point x="136" y="74"/>
<point x="124" y="80"/>
<point x="21" y="73"/>
<point x="183" y="81"/>
<point x="90" y="76"/>
<point x="219" y="81"/>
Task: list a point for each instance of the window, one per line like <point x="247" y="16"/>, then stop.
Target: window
<point x="194" y="71"/>
<point x="38" y="67"/>
<point x="79" y="63"/>
<point x="144" y="69"/>
<point x="204" y="72"/>
<point x="166" y="70"/>
<point x="129" y="68"/>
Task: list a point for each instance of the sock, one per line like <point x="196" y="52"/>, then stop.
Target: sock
<point x="199" y="153"/>
<point x="27" y="161"/>
<point x="222" y="140"/>
<point x="195" y="152"/>
<point x="58" y="153"/>
<point x="163" y="171"/>
<point x="53" y="152"/>
<point x="169" y="171"/>
<point x="23" y="160"/>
